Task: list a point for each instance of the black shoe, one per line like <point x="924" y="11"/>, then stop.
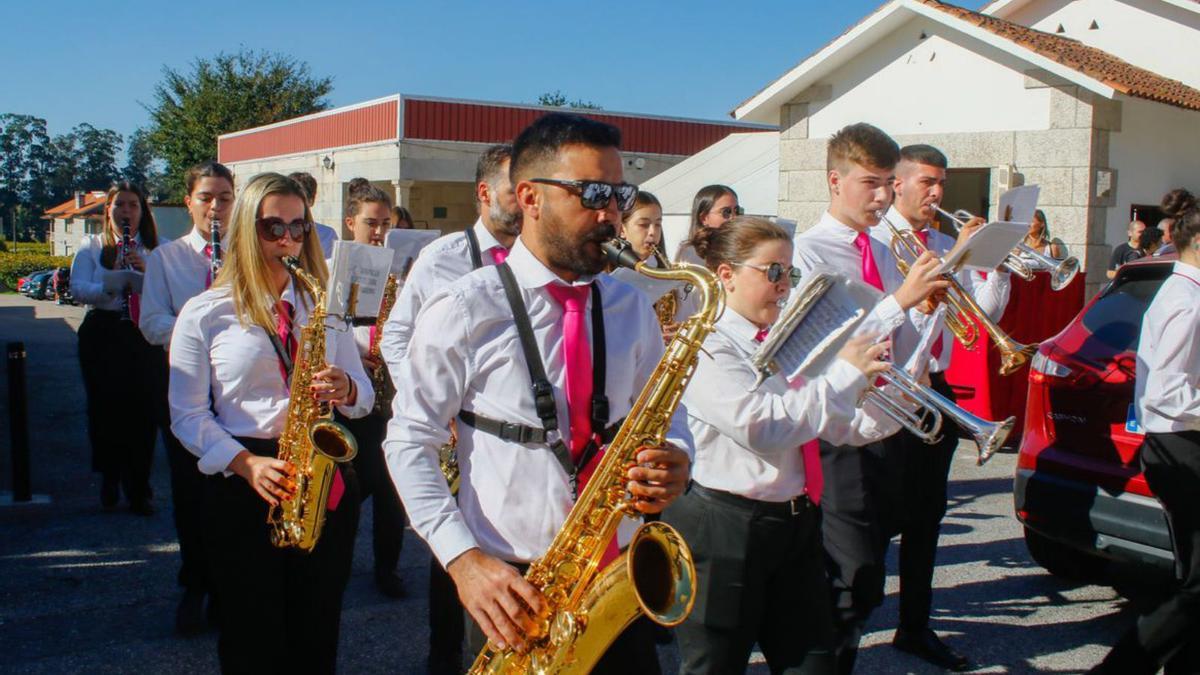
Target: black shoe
<point x="390" y="584"/>
<point x="142" y="506"/>
<point x="110" y="493"/>
<point x="189" y="616"/>
<point x="927" y="645"/>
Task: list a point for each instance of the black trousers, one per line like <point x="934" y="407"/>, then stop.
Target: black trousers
<point x="387" y="512"/>
<point x="632" y="652"/>
<point x="860" y="506"/>
<point x="119" y="379"/>
<point x="926" y="470"/>
<point x="446" y="625"/>
<point x="1171" y="463"/>
<point x="761" y="580"/>
<point x="280" y="609"/>
<point x="187" y="491"/>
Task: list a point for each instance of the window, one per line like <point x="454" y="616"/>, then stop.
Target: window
<point x="1115" y="319"/>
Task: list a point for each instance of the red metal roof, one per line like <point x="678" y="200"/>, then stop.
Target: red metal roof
<point x="434" y="119"/>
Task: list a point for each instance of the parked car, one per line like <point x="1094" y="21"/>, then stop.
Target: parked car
<point x="39" y="287"/>
<point x="1079" y="490"/>
<point x="23" y="286"/>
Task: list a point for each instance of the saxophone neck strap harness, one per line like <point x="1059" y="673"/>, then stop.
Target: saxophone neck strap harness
<point x="473" y="248"/>
<point x="543" y="391"/>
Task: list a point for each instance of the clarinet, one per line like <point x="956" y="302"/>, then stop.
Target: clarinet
<point x="127" y="293"/>
<point x="214" y="243"/>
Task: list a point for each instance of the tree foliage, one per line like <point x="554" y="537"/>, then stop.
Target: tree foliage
<point x="227" y="93"/>
<point x="557" y="99"/>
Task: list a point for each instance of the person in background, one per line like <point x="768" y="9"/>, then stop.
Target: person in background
<point x="1174" y="203"/>
<point x="713" y="206"/>
<point x="1167" y="400"/>
<point x="642" y="228"/>
<point x="326" y="235"/>
<point x="1149" y="242"/>
<point x="175" y="273"/>
<point x="401" y="218"/>
<point x="116" y="360"/>
<point x="1168" y="247"/>
<point x="1126" y="250"/>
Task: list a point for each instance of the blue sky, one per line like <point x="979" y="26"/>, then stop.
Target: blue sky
<point x="73" y="62"/>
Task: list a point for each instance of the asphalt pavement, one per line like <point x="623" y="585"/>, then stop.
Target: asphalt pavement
<point x="84" y="590"/>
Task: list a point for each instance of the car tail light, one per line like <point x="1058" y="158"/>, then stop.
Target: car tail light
<point x="1043" y="367"/>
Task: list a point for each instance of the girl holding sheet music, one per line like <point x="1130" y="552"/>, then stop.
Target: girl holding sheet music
<point x="369" y="217"/>
<point x="751" y="516"/>
<point x="113" y="354"/>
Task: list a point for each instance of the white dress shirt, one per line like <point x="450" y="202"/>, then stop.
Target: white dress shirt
<point x="992" y="293"/>
<point x="1167" y="392"/>
<point x="464" y="353"/>
<point x="443" y="262"/>
<point x="327" y="235"/>
<point x="830" y="245"/>
<point x="748" y="442"/>
<point x="226" y="380"/>
<point x="87" y="274"/>
<point x="175" y="273"/>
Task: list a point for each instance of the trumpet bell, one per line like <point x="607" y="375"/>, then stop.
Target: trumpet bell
<point x="1062" y="275"/>
<point x="991" y="437"/>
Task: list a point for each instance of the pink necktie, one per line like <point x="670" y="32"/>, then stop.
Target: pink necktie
<point x="208" y="274"/>
<point x="810" y="452"/>
<point x="870" y="273"/>
<point x="578" y="357"/>
<point x="923" y="235"/>
<point x="938" y="344"/>
<point x="499" y="254"/>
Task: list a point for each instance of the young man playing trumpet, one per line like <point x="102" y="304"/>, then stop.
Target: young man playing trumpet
<point x="861" y="489"/>
<point x="919" y="186"/>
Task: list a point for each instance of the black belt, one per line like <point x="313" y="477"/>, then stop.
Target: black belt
<point x="793" y="507"/>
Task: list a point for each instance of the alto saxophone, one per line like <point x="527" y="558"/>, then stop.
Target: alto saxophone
<point x="666" y="306"/>
<point x="311" y="441"/>
<point x="589" y="608"/>
<point x="380" y="379"/>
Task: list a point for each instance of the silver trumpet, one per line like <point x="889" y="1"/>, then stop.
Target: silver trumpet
<point x="1023" y="260"/>
<point x="924" y="421"/>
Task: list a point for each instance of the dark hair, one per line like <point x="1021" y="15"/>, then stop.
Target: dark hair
<point x="1186" y="228"/>
<point x="206" y="170"/>
<point x="862" y="144"/>
<point x="703" y="202"/>
<point x="643" y="199"/>
<point x="361" y="191"/>
<point x="1041" y="215"/>
<point x="540" y="142"/>
<point x="147" y="229"/>
<point x="307" y="182"/>
<point x="488" y="166"/>
<point x="1149" y="237"/>
<point x="734" y="241"/>
<point x="924" y="154"/>
<point x="1175" y="202"/>
<point x="400" y="213"/>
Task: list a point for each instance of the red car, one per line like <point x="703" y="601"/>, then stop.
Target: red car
<point x="1079" y="489"/>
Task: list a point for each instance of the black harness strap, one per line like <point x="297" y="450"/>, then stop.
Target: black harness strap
<point x="473" y="248"/>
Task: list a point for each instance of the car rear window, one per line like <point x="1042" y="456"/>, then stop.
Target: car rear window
<point x="1116" y="318"/>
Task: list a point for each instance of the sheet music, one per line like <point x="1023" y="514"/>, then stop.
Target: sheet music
<point x="368" y="266"/>
<point x="408" y="244"/>
<point x="653" y="289"/>
<point x="987" y="248"/>
<point x="1018" y="204"/>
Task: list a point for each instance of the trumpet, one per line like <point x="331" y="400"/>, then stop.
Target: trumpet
<point x="1023" y="261"/>
<point x="966" y="312"/>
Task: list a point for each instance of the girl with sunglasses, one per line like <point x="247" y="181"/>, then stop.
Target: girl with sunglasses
<point x="115" y="358"/>
<point x="230" y="355"/>
<point x="751" y="516"/>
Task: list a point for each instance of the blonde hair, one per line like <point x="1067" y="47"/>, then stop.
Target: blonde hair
<point x="245" y="270"/>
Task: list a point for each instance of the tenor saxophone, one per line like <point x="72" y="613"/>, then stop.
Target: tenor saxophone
<point x="589" y="608"/>
<point x="311" y="441"/>
<point x="666" y="306"/>
<point x="381" y="381"/>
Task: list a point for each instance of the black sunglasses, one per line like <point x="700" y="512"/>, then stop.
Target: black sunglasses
<point x="595" y="195"/>
<point x="731" y="211"/>
<point x="273" y="229"/>
<point x="776" y="272"/>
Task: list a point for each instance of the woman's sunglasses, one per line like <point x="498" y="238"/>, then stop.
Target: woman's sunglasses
<point x="776" y="272"/>
<point x="273" y="229"/>
<point x="595" y="195"/>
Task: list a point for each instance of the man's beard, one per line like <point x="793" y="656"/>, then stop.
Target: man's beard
<point x="573" y="255"/>
<point x="506" y="222"/>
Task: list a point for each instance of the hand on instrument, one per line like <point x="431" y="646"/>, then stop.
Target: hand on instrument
<point x="862" y="352"/>
<point x="505" y="605"/>
<point x="922" y="280"/>
<point x="659" y="476"/>
<point x="965" y="233"/>
<point x="271" y="478"/>
<point x="929" y="305"/>
<point x="669" y="330"/>
<point x="333" y="385"/>
<point x="135" y="261"/>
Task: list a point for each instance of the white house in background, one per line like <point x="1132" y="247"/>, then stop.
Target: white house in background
<point x="1097" y="101"/>
<point x="83" y="214"/>
<point x="748" y="163"/>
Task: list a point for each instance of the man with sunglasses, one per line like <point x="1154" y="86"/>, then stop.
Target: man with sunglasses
<point x="544" y="321"/>
<point x="441" y="263"/>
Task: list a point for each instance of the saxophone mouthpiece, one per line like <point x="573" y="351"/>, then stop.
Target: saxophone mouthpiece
<point x="620" y="253"/>
<point x="291" y="262"/>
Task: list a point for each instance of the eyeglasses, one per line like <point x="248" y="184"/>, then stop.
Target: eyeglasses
<point x="728" y="212"/>
<point x="776" y="272"/>
<point x="273" y="229"/>
<point x="595" y="195"/>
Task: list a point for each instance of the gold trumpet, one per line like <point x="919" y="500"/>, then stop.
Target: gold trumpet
<point x="966" y="312"/>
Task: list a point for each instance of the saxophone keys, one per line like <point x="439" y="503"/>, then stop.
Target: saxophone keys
<point x="564" y="629"/>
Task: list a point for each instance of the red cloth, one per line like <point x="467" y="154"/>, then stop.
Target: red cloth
<point x="208" y="275"/>
<point x="284" y="312"/>
<point x="870" y="272"/>
<point x="810" y="452"/>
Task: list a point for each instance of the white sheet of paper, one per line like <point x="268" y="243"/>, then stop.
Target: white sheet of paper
<point x="366" y="265"/>
<point x="1018" y="204"/>
<point x="653" y="289"/>
<point x="987" y="248"/>
<point x="408" y="244"/>
<point x="115" y="281"/>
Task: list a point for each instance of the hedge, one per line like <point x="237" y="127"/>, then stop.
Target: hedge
<point x="21" y="263"/>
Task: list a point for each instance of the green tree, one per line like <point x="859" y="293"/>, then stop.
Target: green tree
<point x="142" y="166"/>
<point x="557" y="99"/>
<point x="226" y="93"/>
<point x="24" y="146"/>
